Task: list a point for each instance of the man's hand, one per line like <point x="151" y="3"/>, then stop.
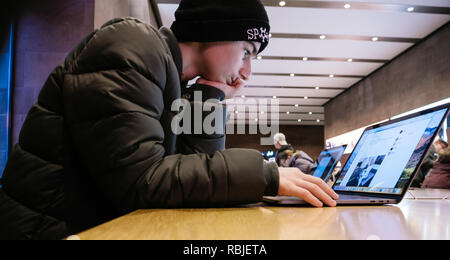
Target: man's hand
<point x="312" y="189"/>
<point x="230" y="91"/>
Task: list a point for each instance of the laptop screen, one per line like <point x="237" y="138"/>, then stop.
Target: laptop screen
<point x="387" y="156"/>
<point x="327" y="161"/>
<point x="269" y="156"/>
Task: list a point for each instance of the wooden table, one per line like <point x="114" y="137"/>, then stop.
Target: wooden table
<point x="411" y="219"/>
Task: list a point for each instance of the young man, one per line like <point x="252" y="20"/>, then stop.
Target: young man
<point x="98" y="143"/>
<point x="281" y="145"/>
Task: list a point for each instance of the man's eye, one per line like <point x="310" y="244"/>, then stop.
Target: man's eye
<point x="247" y="52"/>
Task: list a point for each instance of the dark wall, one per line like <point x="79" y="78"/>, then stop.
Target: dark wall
<point x="44" y="36"/>
<point x="417" y="78"/>
<point x="307" y="138"/>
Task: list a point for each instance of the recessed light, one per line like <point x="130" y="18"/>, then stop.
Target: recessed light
<point x="306" y="97"/>
<point x="296" y="105"/>
<point x="374" y="39"/>
<point x="323" y="37"/>
<point x="310" y="113"/>
<point x="274" y="97"/>
<point x="410" y="9"/>
<point x="292" y="75"/>
<point x="242" y="96"/>
<point x="318" y="120"/>
<point x="259" y="57"/>
<point x="270" y="35"/>
<point x="350" y="60"/>
<point x="256" y="119"/>
<point x="287" y="113"/>
<point x="282" y="3"/>
<point x="262" y="112"/>
<point x="305" y="58"/>
<point x="347" y="6"/>
<point x="236" y="112"/>
<point x="299" y="120"/>
<point x="331" y="76"/>
<point x="317" y="88"/>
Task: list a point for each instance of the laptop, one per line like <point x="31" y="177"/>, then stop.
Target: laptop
<point x="385" y="160"/>
<point x="327" y="162"/>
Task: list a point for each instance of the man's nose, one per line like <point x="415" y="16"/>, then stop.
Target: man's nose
<point x="246" y="70"/>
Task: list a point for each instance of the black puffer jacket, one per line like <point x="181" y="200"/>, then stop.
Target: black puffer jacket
<point x="98" y="143"/>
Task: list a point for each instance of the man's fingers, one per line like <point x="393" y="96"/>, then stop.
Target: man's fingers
<point x="211" y="83"/>
<point x="322" y="185"/>
<point x="317" y="192"/>
<point x="313" y="190"/>
<point x="307" y="196"/>
<point x="230" y="91"/>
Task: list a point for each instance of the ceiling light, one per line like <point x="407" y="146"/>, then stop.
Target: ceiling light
<point x="292" y="75"/>
<point x="262" y="112"/>
<point x="374" y="39"/>
<point x="242" y="96"/>
<point x="259" y="57"/>
<point x="236" y="112"/>
<point x="306" y="97"/>
<point x="274" y="97"/>
<point x="270" y="35"/>
<point x="317" y="88"/>
<point x="410" y="9"/>
<point x="310" y="113"/>
<point x="347" y="6"/>
<point x="287" y="113"/>
<point x="331" y="76"/>
<point x="318" y="120"/>
<point x="350" y="60"/>
<point x="305" y="58"/>
<point x="282" y="3"/>
<point x="256" y="119"/>
<point x="322" y="37"/>
<point x="296" y="105"/>
<point x="299" y="120"/>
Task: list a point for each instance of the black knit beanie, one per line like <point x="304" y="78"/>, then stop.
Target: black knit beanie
<point x="221" y="20"/>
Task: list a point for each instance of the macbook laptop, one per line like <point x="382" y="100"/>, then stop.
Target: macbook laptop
<point x="384" y="161"/>
<point x="327" y="162"/>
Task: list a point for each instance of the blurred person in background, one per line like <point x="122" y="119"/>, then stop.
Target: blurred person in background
<point x="439" y="177"/>
<point x="429" y="162"/>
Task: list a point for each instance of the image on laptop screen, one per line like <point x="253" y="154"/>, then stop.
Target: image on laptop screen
<point x="386" y="157"/>
<point x="327" y="161"/>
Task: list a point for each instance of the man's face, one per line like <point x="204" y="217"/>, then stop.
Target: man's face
<point x="227" y="62"/>
<point x="277" y="146"/>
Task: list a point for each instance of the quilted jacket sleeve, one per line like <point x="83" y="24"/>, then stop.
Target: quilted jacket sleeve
<point x="199" y="139"/>
<point x="114" y="99"/>
<point x="211" y="136"/>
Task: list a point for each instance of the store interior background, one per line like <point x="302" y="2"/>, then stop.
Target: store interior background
<point x="44" y="35"/>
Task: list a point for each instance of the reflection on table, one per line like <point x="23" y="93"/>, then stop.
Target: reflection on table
<point x="411" y="219"/>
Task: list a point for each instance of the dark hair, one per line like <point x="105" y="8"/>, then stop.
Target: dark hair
<point x="286" y="154"/>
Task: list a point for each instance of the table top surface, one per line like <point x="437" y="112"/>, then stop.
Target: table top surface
<point x="411" y="219"/>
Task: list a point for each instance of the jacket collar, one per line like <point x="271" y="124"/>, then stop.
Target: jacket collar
<point x="175" y="50"/>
